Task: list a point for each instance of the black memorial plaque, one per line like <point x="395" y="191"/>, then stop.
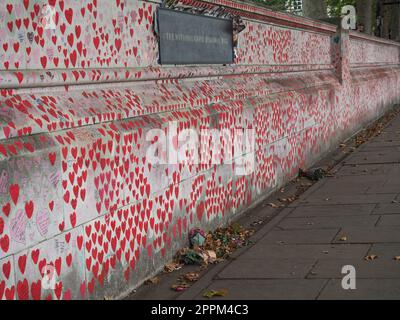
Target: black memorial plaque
<point x="187" y="38"/>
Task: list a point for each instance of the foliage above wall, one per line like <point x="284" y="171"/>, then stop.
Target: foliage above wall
<point x="333" y="6"/>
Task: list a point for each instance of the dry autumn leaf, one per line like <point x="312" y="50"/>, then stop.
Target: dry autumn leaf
<point x="370" y="257"/>
<point x="397" y="258"/>
<point x="215" y="293"/>
<point x="344" y="238"/>
<point x="209" y="256"/>
<point x="180" y="287"/>
<point x="273" y="205"/>
<point x="191" y="276"/>
<point x="172" y="266"/>
<point x="155" y="280"/>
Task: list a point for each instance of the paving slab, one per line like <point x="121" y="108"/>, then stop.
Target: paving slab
<point x="338" y="188"/>
<point x="387" y="208"/>
<point x="378" y="268"/>
<point x="368" y="169"/>
<point x="366" y="289"/>
<point x="329" y="222"/>
<point x="386" y="250"/>
<point x="385" y="188"/>
<point x="317" y="199"/>
<point x="381" y="143"/>
<point x="361" y="181"/>
<point x="380" y="146"/>
<point x="389" y="220"/>
<point x="300" y="236"/>
<point x="267" y="269"/>
<point x="306" y="251"/>
<point x="369" y="235"/>
<point x="363" y="184"/>
<point x="281" y="289"/>
<point x="384" y="156"/>
<point x="333" y="210"/>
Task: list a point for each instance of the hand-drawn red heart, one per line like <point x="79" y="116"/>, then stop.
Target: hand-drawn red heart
<point x="200" y="210"/>
<point x="69" y="14"/>
<point x="22" y="263"/>
<point x="7" y="269"/>
<point x="5" y="243"/>
<point x="29" y="207"/>
<point x="36" y="290"/>
<point x="6" y="209"/>
<point x="35" y="255"/>
<point x="23" y="290"/>
<point x="14" y="192"/>
<point x="52" y="158"/>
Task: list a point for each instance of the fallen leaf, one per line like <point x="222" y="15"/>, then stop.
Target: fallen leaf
<point x="344" y="238"/>
<point x="215" y="293"/>
<point x="191" y="276"/>
<point x="180" y="287"/>
<point x="370" y="257"/>
<point x="397" y="258"/>
<point x="172" y="266"/>
<point x="155" y="280"/>
<point x="211" y="256"/>
<point x="288" y="199"/>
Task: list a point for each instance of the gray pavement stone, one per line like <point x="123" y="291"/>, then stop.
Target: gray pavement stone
<point x="369" y="235"/>
<point x="386" y="188"/>
<point x="306" y="251"/>
<point x="386" y="250"/>
<point x="316" y="199"/>
<point x="366" y="289"/>
<point x="329" y="222"/>
<point x="313" y="188"/>
<point x="384" y="156"/>
<point x="387" y="208"/>
<point x="271" y="225"/>
<point x="333" y="210"/>
<point x="389" y="220"/>
<point x="300" y="236"/>
<point x="332" y="188"/>
<point x="385" y="146"/>
<point x="378" y="268"/>
<point x="368" y="169"/>
<point x="265" y="268"/>
<point x="282" y="289"/>
<point x="361" y="181"/>
<point x="381" y="143"/>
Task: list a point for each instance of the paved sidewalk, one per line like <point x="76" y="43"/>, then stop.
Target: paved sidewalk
<point x="341" y="220"/>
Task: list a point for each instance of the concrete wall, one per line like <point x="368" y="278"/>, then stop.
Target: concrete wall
<point x="77" y="193"/>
